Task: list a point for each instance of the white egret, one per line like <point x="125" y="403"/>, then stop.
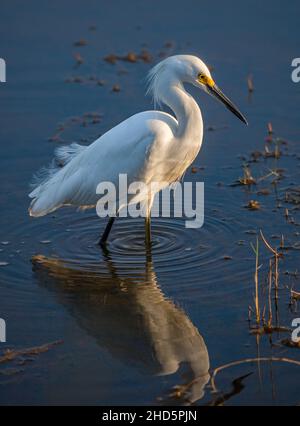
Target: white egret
<point x="151" y="146"/>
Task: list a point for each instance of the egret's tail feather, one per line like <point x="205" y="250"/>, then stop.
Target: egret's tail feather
<point x="62" y="156"/>
<point x="39" y="208"/>
<point x="47" y="192"/>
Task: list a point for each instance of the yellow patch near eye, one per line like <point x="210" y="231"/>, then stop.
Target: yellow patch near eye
<point x="204" y="79"/>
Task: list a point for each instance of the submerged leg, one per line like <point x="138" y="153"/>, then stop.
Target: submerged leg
<point x="106" y="232"/>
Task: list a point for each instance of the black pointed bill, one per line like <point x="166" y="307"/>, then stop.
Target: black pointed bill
<point x="216" y="92"/>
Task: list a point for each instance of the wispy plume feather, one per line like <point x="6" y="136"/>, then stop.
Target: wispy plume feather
<point x="152" y="82"/>
<point x="43" y="175"/>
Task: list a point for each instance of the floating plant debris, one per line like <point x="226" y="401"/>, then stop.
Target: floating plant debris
<point x="80" y="43"/>
<point x="290" y="343"/>
<point x="145" y="56"/>
<point x="256" y="155"/>
<point x="253" y="205"/>
<point x="264" y="191"/>
<point x="250" y="84"/>
<point x="295" y="294"/>
<point x="247" y="179"/>
<point x="130" y="57"/>
<point x="111" y="59"/>
<point x="78" y="58"/>
<point x="268" y="329"/>
<point x="87" y="119"/>
<point x="12" y="354"/>
<point x="116" y="88"/>
<point x="92" y="115"/>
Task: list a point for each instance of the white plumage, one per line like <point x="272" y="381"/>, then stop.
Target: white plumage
<point x="150" y="146"/>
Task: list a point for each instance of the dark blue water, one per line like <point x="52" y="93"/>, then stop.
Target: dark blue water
<point x="134" y="324"/>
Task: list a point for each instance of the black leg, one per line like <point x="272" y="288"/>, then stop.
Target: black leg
<point x="106" y="232"/>
<point x="148" y="231"/>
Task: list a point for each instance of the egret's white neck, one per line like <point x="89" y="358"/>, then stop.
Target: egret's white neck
<point x="186" y="110"/>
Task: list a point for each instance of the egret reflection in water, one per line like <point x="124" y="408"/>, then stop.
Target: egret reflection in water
<point x="131" y="318"/>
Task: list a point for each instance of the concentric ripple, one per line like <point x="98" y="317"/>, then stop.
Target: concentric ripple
<point x="181" y="255"/>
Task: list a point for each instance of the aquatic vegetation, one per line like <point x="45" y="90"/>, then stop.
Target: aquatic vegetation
<point x="247" y="179"/>
<point x="265" y="325"/>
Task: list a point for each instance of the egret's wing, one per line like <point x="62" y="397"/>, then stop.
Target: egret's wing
<point x="125" y="149"/>
<point x="106" y="163"/>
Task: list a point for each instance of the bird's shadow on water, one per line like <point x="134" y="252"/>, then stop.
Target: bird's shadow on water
<point x="132" y="319"/>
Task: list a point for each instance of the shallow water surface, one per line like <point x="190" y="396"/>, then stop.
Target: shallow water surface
<point x="137" y="326"/>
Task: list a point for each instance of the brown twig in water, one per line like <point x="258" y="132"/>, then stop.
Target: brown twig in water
<point x="247" y="361"/>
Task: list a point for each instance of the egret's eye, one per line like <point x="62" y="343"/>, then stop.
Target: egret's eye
<point x="204" y="79"/>
<point x="201" y="78"/>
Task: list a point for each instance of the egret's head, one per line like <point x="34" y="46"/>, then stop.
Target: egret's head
<point x="189" y="69"/>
